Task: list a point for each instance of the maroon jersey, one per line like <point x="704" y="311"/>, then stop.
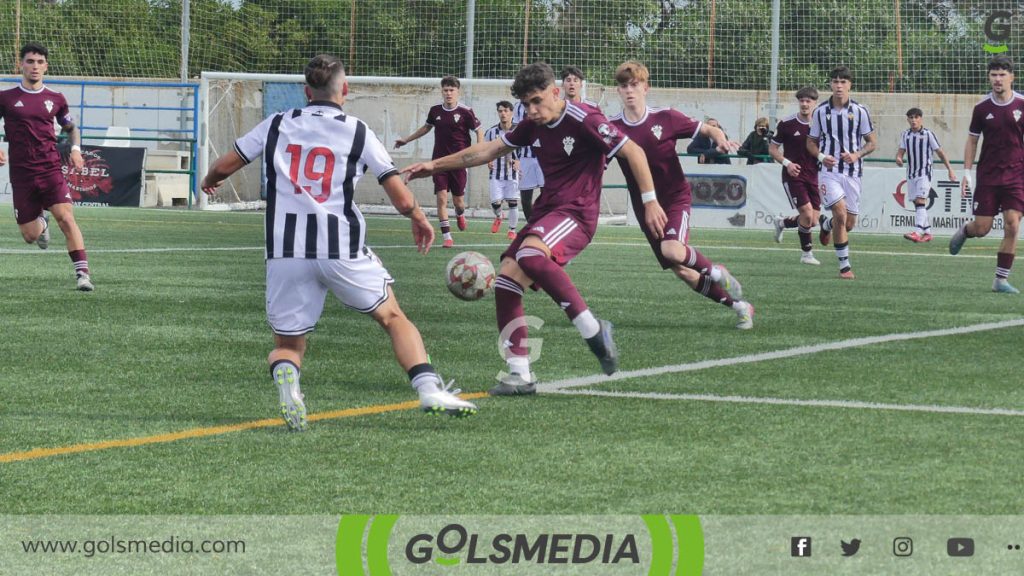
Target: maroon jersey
<point x="791" y="134"/>
<point x="1002" y="149"/>
<point x="571" y="152"/>
<point x="657" y="133"/>
<point x="28" y="123"/>
<point x="452" y="128"/>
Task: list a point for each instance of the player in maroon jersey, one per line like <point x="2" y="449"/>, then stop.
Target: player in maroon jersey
<point x="29" y="110"/>
<point x="656" y="131"/>
<point x="571" y="143"/>
<point x="454" y="122"/>
<point x="799" y="173"/>
<point x="1000" y="118"/>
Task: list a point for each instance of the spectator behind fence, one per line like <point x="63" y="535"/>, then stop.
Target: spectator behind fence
<point x="755" y="147"/>
<point x="706" y="149"/>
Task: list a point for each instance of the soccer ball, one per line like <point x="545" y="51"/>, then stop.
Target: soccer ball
<point x="470" y="276"/>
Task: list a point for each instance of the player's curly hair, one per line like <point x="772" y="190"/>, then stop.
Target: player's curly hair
<point x="532" y="78"/>
<point x="325" y="74"/>
<point x="33" y="48"/>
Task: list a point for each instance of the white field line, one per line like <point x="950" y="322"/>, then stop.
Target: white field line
<point x="569" y="386"/>
<point x="36" y="251"/>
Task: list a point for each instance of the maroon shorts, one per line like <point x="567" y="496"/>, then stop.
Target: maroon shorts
<point x="562" y="234"/>
<point x="991" y="200"/>
<point x="34" y="194"/>
<point x="800" y="192"/>
<point x="453" y="181"/>
<point x="677" y="225"/>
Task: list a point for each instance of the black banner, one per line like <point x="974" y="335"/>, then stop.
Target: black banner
<point x="112" y="176"/>
<point x="718" y="190"/>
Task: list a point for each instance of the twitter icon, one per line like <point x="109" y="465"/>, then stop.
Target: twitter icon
<point x="850" y="548"/>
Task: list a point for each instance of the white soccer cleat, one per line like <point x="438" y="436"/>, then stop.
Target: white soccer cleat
<point x="745" y="313"/>
<point x="808" y="258"/>
<point x="729" y="283"/>
<point x="445" y="401"/>
<point x="43" y="241"/>
<point x="780" y="229"/>
<point x="84" y="283"/>
<point x="293" y="409"/>
<point x="1002" y="286"/>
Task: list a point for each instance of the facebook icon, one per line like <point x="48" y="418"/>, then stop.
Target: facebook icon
<point x="800" y="546"/>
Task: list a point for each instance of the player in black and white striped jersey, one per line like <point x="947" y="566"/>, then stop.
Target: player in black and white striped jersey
<point x="841" y="136"/>
<point x="920" y="145"/>
<point x="315" y="234"/>
<point x="503" y="179"/>
<point x="530" y="175"/>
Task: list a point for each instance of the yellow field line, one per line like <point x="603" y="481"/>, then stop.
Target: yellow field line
<point x="37" y="453"/>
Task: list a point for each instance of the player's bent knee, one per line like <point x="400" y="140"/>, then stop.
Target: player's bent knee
<point x="674" y="251"/>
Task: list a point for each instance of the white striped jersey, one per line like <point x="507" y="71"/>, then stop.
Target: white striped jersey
<point x="313" y="157"/>
<point x="920" y="147"/>
<point x="839" y="130"/>
<point x="518" y="114"/>
<point x="503" y="167"/>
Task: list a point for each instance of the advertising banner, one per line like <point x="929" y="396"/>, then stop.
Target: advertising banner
<point x="112" y="176"/>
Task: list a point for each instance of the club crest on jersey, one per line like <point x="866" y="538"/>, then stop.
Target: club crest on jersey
<point x="49" y="105"/>
<point x="567" y="143"/>
<point x="607" y="133"/>
<point x="1016" y="115"/>
<point x="656" y="130"/>
<point x="457" y="116"/>
<point x="849" y="116"/>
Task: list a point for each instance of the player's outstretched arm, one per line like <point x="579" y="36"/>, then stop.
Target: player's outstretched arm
<point x="654" y="216"/>
<point x="722" y="143"/>
<point x="221" y="169"/>
<point x="419" y="133"/>
<point x="403" y="201"/>
<point x="475" y="155"/>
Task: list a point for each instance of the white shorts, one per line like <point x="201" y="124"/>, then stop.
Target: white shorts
<point x="297" y="288"/>
<point x="919" y="187"/>
<point x="530" y="176"/>
<point x="835" y="187"/>
<point x="504" y="190"/>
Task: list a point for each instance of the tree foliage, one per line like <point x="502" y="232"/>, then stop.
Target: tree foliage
<point x="924" y="46"/>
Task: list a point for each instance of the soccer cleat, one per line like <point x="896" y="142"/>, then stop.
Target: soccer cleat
<point x="511" y="234"/>
<point x="445" y="401"/>
<point x="513" y="385"/>
<point x="602" y="345"/>
<point x="292" y="408"/>
<point x="43" y="241"/>
<point x="496" y="225"/>
<point x="956" y="242"/>
<point x="847" y="275"/>
<point x="745" y="313"/>
<point x="84" y="283"/>
<point x="926" y="237"/>
<point x="914" y="236"/>
<point x="808" y="258"/>
<point x="780" y="228"/>
<point x="1002" y="286"/>
<point x="824" y="236"/>
<point x="729" y="283"/>
<point x="448" y="243"/>
<point x="461" y="221"/>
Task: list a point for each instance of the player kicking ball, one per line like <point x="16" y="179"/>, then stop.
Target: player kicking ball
<point x="572" y="143"/>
